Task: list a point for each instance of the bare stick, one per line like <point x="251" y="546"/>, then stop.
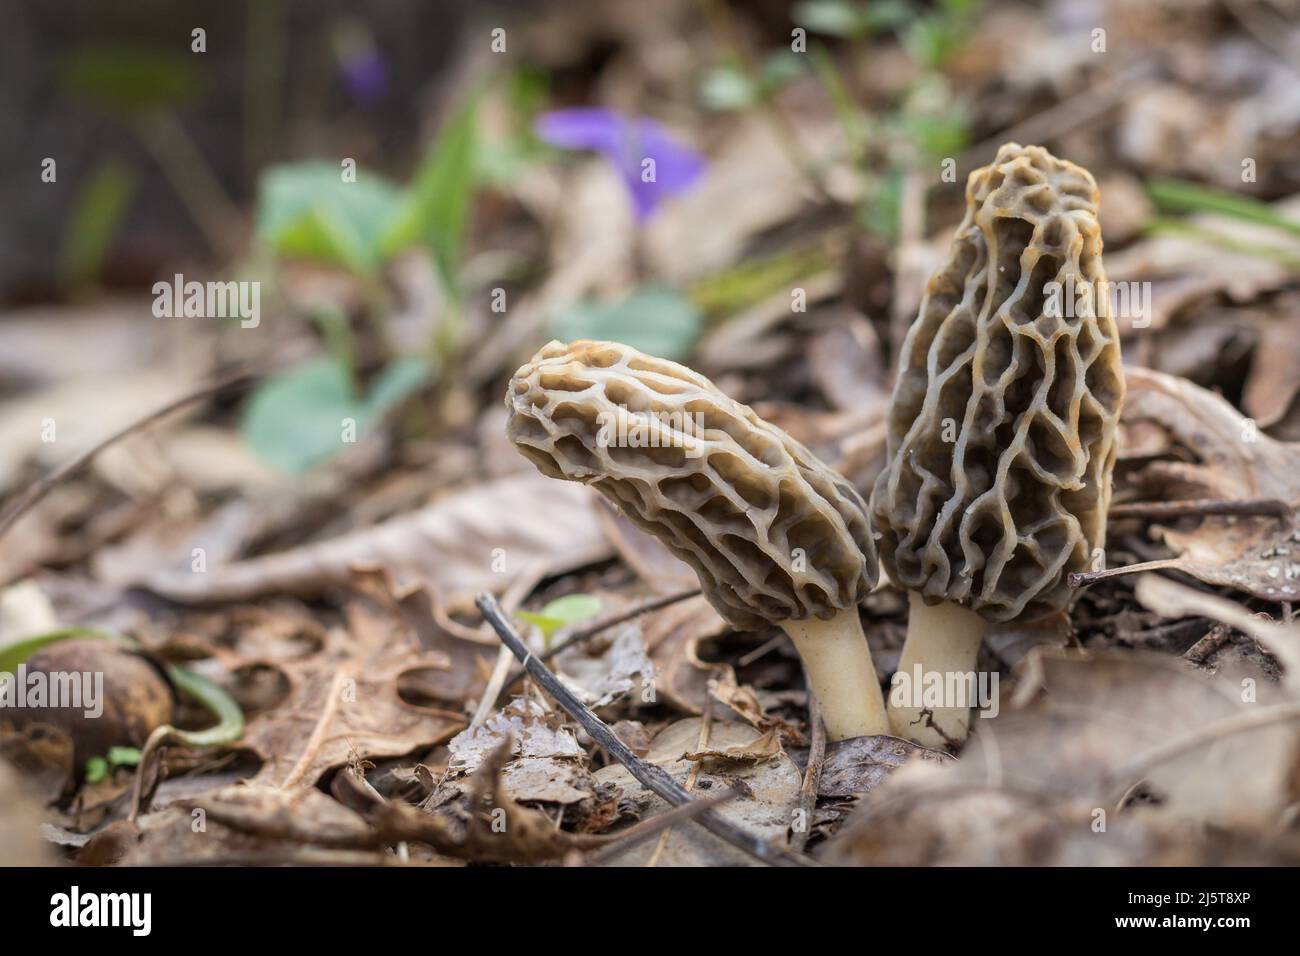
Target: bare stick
<point x="648" y="775"/>
<point x="40" y="488"/>
<point x="1080" y="579"/>
<point x="587" y="633"/>
<point x="812" y="773"/>
<point x="1171" y="599"/>
<point x="1197" y="507"/>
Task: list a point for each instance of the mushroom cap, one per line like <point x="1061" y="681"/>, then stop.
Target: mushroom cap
<point x="1001" y="432"/>
<point x="772" y="532"/>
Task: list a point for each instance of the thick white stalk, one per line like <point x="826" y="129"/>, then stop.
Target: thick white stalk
<point x="838" y="663"/>
<point x="944" y="640"/>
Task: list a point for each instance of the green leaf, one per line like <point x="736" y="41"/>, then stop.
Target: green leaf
<point x="940" y="134"/>
<point x="95" y="221"/>
<point x="96" y="769"/>
<point x="931" y="40"/>
<point x="11" y="655"/>
<point x="726" y="88"/>
<point x="779" y="68"/>
<point x="131" y="79"/>
<point x="307" y="210"/>
<point x="655" y="320"/>
<point x="1184" y="196"/>
<point x="123" y="756"/>
<point x="562" y="611"/>
<point x="296" y="419"/>
<point x="837" y="18"/>
<point x="880" y="213"/>
<point x="437" y="206"/>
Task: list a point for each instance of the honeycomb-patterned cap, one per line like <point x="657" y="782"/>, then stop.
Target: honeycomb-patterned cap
<point x="772" y="533"/>
<point x="1001" y="433"/>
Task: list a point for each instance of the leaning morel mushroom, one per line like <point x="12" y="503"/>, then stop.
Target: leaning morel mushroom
<point x="774" y="535"/>
<point x="1001" y="433"/>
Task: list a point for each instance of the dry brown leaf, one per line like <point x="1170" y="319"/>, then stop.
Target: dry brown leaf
<point x="673" y="636"/>
<point x="1077" y="723"/>
<point x="977" y="826"/>
<point x="605" y="674"/>
<point x="545" y="763"/>
<point x="344" y="701"/>
<point x="766" y="807"/>
<point x="756" y="751"/>
<point x="860" y="764"/>
<point x="740" y="699"/>
<point x="454" y="548"/>
<point x="1271" y="387"/>
<point x="484" y="829"/>
<point x="1227" y="459"/>
<point x="523" y="725"/>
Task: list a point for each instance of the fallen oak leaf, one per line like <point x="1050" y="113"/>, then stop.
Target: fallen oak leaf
<point x="1230" y="460"/>
<point x="451" y="547"/>
<point x="345" y="699"/>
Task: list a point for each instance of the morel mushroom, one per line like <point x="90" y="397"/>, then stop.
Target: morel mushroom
<point x="774" y="535"/>
<point x="1001" y="432"/>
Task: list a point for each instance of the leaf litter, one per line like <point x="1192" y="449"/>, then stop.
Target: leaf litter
<point x="1155" y="723"/>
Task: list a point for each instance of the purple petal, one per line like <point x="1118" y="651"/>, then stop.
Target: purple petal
<point x="366" y="76"/>
<point x="582" y="128"/>
<point x="627" y="145"/>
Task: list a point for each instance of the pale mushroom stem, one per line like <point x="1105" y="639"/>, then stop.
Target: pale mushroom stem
<point x="838" y="662"/>
<point x="943" y="639"/>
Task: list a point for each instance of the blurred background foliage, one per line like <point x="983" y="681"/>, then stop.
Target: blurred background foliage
<point x="398" y="184"/>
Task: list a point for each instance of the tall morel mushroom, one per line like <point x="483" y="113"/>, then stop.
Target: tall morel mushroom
<point x="1001" y="431"/>
<point x="774" y="535"/>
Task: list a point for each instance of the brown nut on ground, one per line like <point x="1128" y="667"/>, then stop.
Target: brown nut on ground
<point x="120" y="696"/>
<point x="1001" y="432"/>
<point x="774" y="535"/>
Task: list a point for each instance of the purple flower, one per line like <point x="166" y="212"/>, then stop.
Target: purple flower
<point x="627" y="144"/>
<point x="365" y="74"/>
<point x="362" y="67"/>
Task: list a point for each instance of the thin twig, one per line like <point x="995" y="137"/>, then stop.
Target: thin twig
<point x="1080" y="579"/>
<point x="812" y="773"/>
<point x="647" y="774"/>
<point x="1198" y="507"/>
<point x="587" y="633"/>
<point x="767" y="647"/>
<point x="42" y="486"/>
<point x="1201" y="651"/>
<point x="1171" y="599"/>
